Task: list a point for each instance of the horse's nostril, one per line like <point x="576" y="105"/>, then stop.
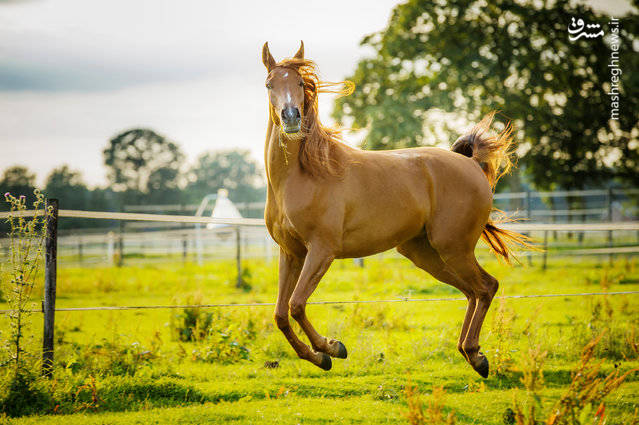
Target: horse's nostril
<point x="290" y="114"/>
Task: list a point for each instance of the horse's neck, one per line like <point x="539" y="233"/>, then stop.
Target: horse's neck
<point x="280" y="156"/>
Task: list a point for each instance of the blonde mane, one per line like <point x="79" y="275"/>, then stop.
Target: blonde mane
<point x="317" y="151"/>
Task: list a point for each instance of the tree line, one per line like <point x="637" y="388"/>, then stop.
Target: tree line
<point x="144" y="167"/>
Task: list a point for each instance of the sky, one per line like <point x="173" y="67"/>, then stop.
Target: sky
<point x="74" y="73"/>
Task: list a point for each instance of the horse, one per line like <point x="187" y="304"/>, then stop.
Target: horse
<point x="327" y="200"/>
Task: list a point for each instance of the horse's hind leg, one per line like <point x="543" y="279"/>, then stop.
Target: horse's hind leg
<point x="422" y="254"/>
<point x="470" y="282"/>
<point x="484" y="287"/>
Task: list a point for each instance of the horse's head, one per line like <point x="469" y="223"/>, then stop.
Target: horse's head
<point x="285" y="92"/>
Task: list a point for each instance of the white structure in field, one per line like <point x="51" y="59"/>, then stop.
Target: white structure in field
<point x="224" y="208"/>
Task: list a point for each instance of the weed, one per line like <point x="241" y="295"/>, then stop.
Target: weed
<point x="26" y="239"/>
<point x="582" y="403"/>
<point x="633" y="341"/>
<point x="377" y="317"/>
<point x="191" y="324"/>
<point x="245" y="280"/>
<point x="586" y="391"/>
<point x="502" y="328"/>
<point x="226" y="340"/>
<point x="532" y="366"/>
<point x="124" y="393"/>
<point x="108" y="357"/>
<point x="433" y="414"/>
<point x="94" y="401"/>
<point x="25" y="396"/>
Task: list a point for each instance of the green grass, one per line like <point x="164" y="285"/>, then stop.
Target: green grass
<point x="143" y="374"/>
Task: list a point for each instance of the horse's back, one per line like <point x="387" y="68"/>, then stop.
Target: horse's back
<point x="393" y="196"/>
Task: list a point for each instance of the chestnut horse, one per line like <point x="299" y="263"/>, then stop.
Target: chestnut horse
<point x="327" y="200"/>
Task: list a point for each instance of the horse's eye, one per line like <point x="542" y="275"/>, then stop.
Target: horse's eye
<point x="269" y="86"/>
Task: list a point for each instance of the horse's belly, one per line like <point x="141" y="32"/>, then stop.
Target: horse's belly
<point x="376" y="237"/>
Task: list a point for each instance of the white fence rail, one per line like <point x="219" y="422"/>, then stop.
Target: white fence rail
<point x="518" y="227"/>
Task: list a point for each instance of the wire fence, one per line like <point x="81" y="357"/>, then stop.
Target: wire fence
<point x="382" y="301"/>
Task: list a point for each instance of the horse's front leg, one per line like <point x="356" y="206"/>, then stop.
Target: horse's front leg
<point x="290" y="268"/>
<point x="316" y="264"/>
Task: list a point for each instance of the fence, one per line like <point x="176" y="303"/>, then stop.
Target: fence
<point x="148" y="241"/>
<point x="134" y="244"/>
<point x="559" y="206"/>
<point x="51" y="256"/>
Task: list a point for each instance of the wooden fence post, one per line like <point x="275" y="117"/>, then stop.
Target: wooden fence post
<point x="545" y="250"/>
<point x="120" y="262"/>
<point x="185" y="249"/>
<point x="610" y="201"/>
<point x="529" y="217"/>
<point x="50" y="277"/>
<point x="238" y="256"/>
<point x="80" y="256"/>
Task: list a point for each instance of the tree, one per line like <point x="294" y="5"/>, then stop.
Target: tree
<point x="233" y="170"/>
<point x="466" y="58"/>
<point x="68" y="186"/>
<point x="18" y="180"/>
<point x="140" y="161"/>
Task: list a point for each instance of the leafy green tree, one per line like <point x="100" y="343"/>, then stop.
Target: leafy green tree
<point x="70" y="189"/>
<point x="18" y="181"/>
<point x="141" y="162"/>
<point x="163" y="186"/>
<point x="232" y="170"/>
<point x="68" y="186"/>
<point x="466" y="57"/>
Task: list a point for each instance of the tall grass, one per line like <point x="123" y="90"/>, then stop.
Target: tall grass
<point x="431" y="413"/>
<point x="22" y="392"/>
<point x="582" y="402"/>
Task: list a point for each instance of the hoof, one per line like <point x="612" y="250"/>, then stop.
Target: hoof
<point x="326" y="362"/>
<point x="483" y="367"/>
<point x="341" y="351"/>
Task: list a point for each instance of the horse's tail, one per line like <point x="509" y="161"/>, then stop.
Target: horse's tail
<point x="494" y="155"/>
<point x="502" y="241"/>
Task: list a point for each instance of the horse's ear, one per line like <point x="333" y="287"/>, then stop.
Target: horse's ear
<point x="267" y="58"/>
<point x="300" y="52"/>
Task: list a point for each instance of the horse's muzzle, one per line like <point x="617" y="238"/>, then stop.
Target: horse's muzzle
<point x="291" y="119"/>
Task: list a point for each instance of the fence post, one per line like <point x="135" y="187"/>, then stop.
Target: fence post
<point x="184" y="248"/>
<point x="238" y="256"/>
<point x="610" y="200"/>
<point x="543" y="267"/>
<point x="120" y="244"/>
<point x="50" y="277"/>
<point x="529" y="217"/>
<point x="80" y="249"/>
<point x="110" y="251"/>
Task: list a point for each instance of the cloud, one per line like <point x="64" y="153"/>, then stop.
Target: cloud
<point x="75" y="45"/>
<point x="74" y="73"/>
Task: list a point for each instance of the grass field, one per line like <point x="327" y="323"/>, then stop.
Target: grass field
<point x="140" y="366"/>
